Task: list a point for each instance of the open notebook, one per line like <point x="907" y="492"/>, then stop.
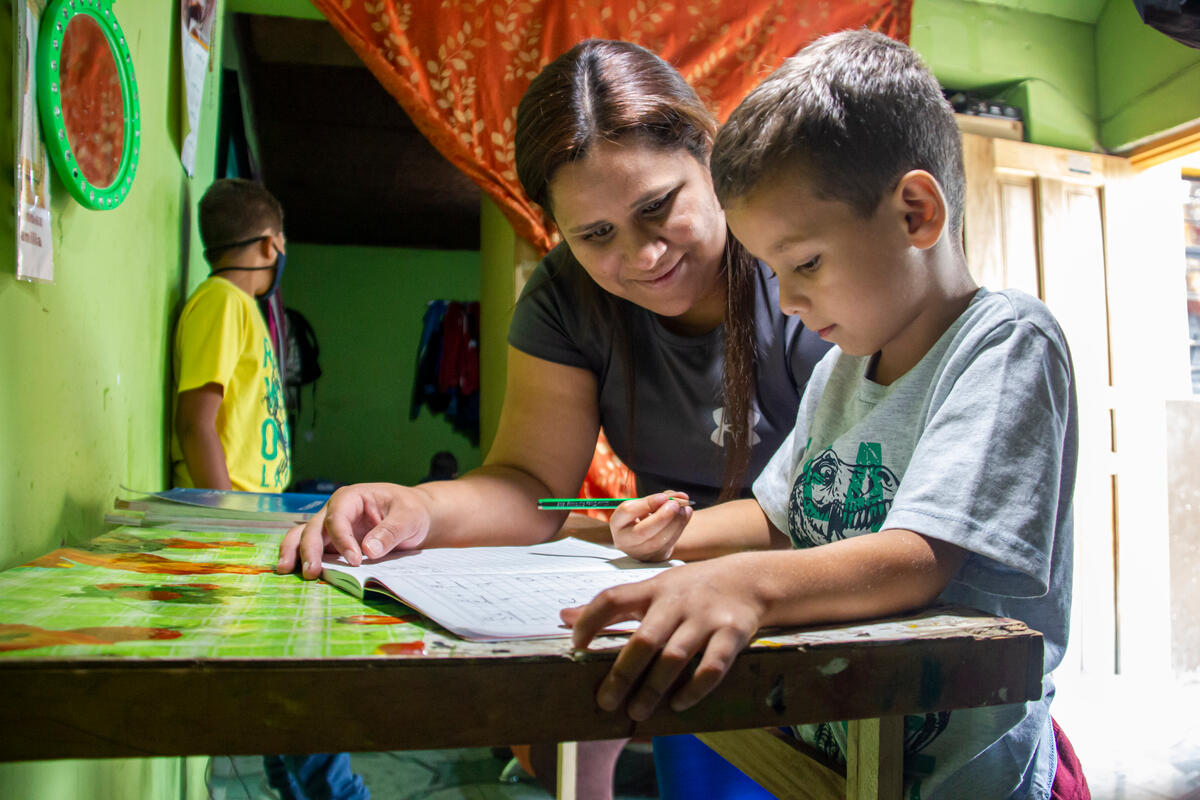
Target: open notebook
<point x="496" y="593"/>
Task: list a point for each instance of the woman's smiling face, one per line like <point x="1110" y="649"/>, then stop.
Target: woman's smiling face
<point x="645" y="224"/>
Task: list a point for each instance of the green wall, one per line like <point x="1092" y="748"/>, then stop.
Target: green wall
<point x="366" y="305"/>
<point x="301" y="9"/>
<point x="1082" y="86"/>
<point x="1148" y="82"/>
<point x="497" y="298"/>
<point x="84" y="368"/>
<point x="84" y="365"/>
<point x="102" y="779"/>
<point x="1043" y="64"/>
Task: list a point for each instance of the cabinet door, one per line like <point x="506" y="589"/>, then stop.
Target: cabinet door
<point x="1075" y="287"/>
<point x="1034" y="221"/>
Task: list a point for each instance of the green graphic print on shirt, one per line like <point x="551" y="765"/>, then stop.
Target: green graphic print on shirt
<point x="832" y="499"/>
<point x="276" y="448"/>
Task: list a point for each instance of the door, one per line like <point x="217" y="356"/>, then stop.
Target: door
<point x="1035" y="222"/>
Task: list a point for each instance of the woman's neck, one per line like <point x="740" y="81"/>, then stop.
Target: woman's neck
<point x="705" y="315"/>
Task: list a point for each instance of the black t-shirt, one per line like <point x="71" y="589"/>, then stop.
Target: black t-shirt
<point x="677" y="389"/>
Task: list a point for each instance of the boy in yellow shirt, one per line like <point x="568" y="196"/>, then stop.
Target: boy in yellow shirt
<point x="230" y="427"/>
<point x="230" y="423"/>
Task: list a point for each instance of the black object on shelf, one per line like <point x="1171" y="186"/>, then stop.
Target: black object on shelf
<point x="976" y="106"/>
<point x="1179" y="19"/>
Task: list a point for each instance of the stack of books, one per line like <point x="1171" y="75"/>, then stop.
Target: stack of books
<point x="214" y="510"/>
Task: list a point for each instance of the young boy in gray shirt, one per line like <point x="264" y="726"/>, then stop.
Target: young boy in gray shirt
<point x="933" y="455"/>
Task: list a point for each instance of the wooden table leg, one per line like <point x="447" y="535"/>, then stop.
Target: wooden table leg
<point x="875" y="759"/>
<point x="567" y="772"/>
<point x="777" y="764"/>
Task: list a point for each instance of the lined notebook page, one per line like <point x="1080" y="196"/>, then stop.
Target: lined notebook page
<point x="497" y="593"/>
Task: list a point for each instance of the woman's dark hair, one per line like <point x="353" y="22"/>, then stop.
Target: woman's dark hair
<point x="600" y="91"/>
<point x="603" y="91"/>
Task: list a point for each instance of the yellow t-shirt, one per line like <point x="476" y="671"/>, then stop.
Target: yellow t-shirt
<point x="221" y="338"/>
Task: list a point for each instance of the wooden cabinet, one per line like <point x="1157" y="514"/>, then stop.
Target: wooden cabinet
<point x="1042" y="220"/>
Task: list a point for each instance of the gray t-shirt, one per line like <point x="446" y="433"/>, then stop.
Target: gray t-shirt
<point x="975" y="445"/>
<point x="677" y="385"/>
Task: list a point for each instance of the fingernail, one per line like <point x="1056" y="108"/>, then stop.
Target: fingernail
<point x="687" y="512"/>
<point x="606" y="699"/>
<point x="372" y="547"/>
<point x="304" y="569"/>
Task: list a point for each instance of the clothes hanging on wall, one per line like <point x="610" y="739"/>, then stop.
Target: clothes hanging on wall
<point x="447" y="375"/>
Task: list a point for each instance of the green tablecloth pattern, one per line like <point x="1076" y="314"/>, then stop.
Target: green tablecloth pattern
<point x="169" y="594"/>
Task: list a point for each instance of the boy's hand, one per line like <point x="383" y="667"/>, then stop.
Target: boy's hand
<point x="707" y="607"/>
<point x="370" y="518"/>
<point x="648" y="527"/>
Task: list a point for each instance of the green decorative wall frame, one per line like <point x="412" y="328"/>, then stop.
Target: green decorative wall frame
<point x="81" y="133"/>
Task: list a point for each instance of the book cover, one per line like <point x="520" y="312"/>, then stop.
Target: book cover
<point x="289" y="506"/>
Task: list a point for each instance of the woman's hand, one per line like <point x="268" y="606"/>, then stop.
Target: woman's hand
<point x="367" y="518"/>
<point x="708" y="607"/>
<point x="648" y="528"/>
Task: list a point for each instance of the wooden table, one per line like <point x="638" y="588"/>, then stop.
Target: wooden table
<point x="153" y="643"/>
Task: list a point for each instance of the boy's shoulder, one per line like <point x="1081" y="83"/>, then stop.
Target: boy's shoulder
<point x="1008" y="321"/>
<point x="214" y="285"/>
<point x="990" y="310"/>
<point x="214" y="303"/>
<point x="217" y="291"/>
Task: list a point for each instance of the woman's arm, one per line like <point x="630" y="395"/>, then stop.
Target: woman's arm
<point x="546" y="437"/>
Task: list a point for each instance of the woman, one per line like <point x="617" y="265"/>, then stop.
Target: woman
<point x="621" y="326"/>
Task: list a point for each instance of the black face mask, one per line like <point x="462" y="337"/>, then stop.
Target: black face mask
<point x="280" y="261"/>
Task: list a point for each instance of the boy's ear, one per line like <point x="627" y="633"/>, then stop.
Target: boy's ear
<point x="919" y="198"/>
<point x="266" y="247"/>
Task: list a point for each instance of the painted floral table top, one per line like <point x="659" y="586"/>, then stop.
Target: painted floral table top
<point x="155" y="593"/>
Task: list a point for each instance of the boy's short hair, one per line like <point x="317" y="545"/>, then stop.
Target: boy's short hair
<point x="234" y="210"/>
<point x="855" y="111"/>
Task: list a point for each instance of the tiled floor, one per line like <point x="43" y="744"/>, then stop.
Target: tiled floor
<point x="1137" y="740"/>
<point x="433" y="774"/>
<point x="472" y="774"/>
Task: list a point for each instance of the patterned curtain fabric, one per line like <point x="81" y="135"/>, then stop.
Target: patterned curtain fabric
<point x="607" y="476"/>
<point x="459" y="67"/>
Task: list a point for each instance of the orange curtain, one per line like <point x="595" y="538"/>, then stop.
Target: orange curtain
<point x="459" y="68"/>
<point x="607" y="476"/>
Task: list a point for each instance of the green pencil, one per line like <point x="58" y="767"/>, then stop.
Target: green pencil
<point x="585" y="503"/>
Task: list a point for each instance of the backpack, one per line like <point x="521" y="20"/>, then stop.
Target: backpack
<point x="303" y="365"/>
<point x="303" y="351"/>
